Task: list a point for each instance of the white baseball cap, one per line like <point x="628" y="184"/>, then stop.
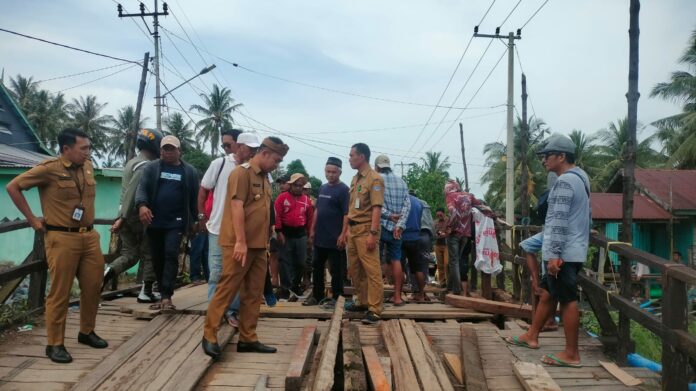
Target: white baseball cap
<point x="249" y="139"/>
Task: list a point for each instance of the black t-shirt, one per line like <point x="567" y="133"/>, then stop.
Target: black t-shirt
<point x="169" y="208"/>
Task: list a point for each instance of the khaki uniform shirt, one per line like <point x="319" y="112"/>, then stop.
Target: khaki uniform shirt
<point x="366" y="191"/>
<point x="62" y="187"/>
<point x="251" y="186"/>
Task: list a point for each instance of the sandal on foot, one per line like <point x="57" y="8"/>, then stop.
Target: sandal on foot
<point x="553" y="360"/>
<point x="516" y="341"/>
<point x="168" y="305"/>
<point x="156" y="306"/>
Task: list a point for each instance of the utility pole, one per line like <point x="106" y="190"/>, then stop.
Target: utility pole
<point x="155" y="34"/>
<point x="130" y="143"/>
<point x="402" y="164"/>
<point x="524" y="134"/>
<point x="466" y="173"/>
<point x="510" y="157"/>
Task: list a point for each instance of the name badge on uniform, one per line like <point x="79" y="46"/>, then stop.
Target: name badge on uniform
<point x="357" y="203"/>
<point x="77" y="213"/>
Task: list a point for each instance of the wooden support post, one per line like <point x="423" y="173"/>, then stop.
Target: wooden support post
<point x="325" y="373"/>
<point x="472" y="368"/>
<point x="353" y="365"/>
<point x="378" y="380"/>
<point x="486" y="288"/>
<point x="37" y="280"/>
<point x="428" y="366"/>
<point x="300" y="358"/>
<point x="404" y="374"/>
<point x="675" y="364"/>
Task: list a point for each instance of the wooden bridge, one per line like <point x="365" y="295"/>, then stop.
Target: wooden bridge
<point x="417" y="346"/>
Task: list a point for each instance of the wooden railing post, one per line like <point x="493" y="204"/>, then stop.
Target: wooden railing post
<point x="675" y="364"/>
<point x="37" y="280"/>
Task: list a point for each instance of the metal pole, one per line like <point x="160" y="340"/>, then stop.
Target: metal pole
<point x="466" y="172"/>
<point x="158" y="99"/>
<point x="510" y="177"/>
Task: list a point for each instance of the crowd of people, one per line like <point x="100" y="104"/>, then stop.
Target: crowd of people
<point x="250" y="248"/>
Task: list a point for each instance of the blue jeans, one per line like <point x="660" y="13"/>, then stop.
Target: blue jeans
<point x="198" y="258"/>
<point x="215" y="266"/>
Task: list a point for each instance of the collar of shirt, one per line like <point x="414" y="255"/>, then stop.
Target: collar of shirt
<point x="67" y="163"/>
<point x="364" y="171"/>
<point x="254" y="166"/>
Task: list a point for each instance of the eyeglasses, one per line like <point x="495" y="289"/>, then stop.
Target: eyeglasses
<point x="226" y="145"/>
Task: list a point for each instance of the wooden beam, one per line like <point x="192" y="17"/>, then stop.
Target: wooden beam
<point x="325" y="373"/>
<point x="300" y="358"/>
<point x="623" y="376"/>
<point x="472" y="368"/>
<point x="428" y="366"/>
<point x="387" y="369"/>
<point x="261" y="383"/>
<point x="455" y="366"/>
<point x="353" y="365"/>
<point x="403" y="373"/>
<point x="490" y="306"/>
<point x="378" y="380"/>
<point x="534" y="377"/>
<point x="675" y="316"/>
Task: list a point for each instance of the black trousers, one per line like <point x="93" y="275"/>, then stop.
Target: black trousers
<point x="337" y="268"/>
<point x="164" y="246"/>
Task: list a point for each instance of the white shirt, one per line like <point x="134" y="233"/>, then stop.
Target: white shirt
<point x="211" y="180"/>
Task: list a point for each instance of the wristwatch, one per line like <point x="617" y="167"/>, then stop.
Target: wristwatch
<point x="201" y="216"/>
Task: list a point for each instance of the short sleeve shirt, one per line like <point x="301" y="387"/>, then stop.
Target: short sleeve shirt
<point x="62" y="187"/>
<point x="247" y="183"/>
<point x="366" y="191"/>
<point x="215" y="179"/>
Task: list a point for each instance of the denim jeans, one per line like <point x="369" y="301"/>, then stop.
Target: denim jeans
<point x="164" y="247"/>
<point x="458" y="265"/>
<point x="215" y="266"/>
<point x="198" y="259"/>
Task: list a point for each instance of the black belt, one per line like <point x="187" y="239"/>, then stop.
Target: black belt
<point x="69" y="229"/>
<point x="353" y="223"/>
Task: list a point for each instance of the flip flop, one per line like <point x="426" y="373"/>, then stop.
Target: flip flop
<point x="517" y="342"/>
<point x="557" y="362"/>
<point x="156" y="306"/>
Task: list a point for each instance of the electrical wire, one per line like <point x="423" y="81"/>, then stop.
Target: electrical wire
<point x="100" y="78"/>
<point x="81" y="73"/>
<point x="534" y="14"/>
<point x="508" y="15"/>
<point x="519" y="61"/>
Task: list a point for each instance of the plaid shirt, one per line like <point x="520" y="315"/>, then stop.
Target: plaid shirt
<point x="396" y="201"/>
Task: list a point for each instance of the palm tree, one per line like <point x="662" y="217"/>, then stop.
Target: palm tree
<point x="47" y="114"/>
<point x="181" y="130"/>
<point x="217" y="109"/>
<point x="433" y="162"/>
<point x="678" y="132"/>
<point x="587" y="154"/>
<point x="85" y="114"/>
<point x="23" y="89"/>
<point x="121" y="139"/>
<point x="612" y="146"/>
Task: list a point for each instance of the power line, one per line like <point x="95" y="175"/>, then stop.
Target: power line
<point x="185" y="59"/>
<point x="534" y="14"/>
<point x="508" y="15"/>
<point x="191" y="41"/>
<point x="80" y="73"/>
<point x="100" y="78"/>
<point x="69" y="47"/>
<point x="519" y="61"/>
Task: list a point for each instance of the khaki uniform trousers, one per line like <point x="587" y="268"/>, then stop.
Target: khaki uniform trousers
<point x="364" y="268"/>
<point x="71" y="254"/>
<point x="442" y="259"/>
<point x="248" y="281"/>
<point x="134" y="248"/>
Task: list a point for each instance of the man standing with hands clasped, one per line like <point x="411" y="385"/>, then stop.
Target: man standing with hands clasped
<point x="244" y="240"/>
<point x="564" y="250"/>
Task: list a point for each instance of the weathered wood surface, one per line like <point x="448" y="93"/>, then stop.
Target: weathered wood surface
<point x="454" y="363"/>
<point x="354" y="377"/>
<point x="300" y="358"/>
<point x="404" y="375"/>
<point x="378" y="380"/>
<point x="431" y="372"/>
<point x="325" y="376"/>
<point x="623" y="376"/>
<point x="534" y="377"/>
<point x="472" y="367"/>
<point x="490" y="306"/>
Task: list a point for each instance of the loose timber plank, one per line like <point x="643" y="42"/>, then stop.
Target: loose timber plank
<point x="261" y="384"/>
<point x="472" y="368"/>
<point x="534" y="377"/>
<point x="387" y="369"/>
<point x="428" y="366"/>
<point x="404" y="375"/>
<point x="353" y="365"/>
<point x="300" y="358"/>
<point x="378" y="380"/>
<point x="455" y="365"/>
<point x="620" y="374"/>
<point x="325" y="375"/>
<point x="490" y="306"/>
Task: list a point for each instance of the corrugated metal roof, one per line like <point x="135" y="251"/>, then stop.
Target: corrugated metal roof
<point x="19" y="158"/>
<point x="607" y="206"/>
<point x="682" y="183"/>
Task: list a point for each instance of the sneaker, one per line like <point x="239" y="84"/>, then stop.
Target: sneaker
<point x="109" y="275"/>
<point x="328" y="304"/>
<point x="147" y="297"/>
<point x="371" y="318"/>
<point x="352" y="307"/>
<point x="270" y="299"/>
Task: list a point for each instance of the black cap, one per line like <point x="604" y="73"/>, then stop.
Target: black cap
<point x="334" y="161"/>
<point x="283" y="178"/>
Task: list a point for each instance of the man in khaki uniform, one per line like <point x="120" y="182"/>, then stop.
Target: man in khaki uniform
<point x="66" y="188"/>
<point x="244" y="235"/>
<point x="361" y="231"/>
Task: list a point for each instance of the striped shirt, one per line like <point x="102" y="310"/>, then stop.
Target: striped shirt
<point x="396" y="201"/>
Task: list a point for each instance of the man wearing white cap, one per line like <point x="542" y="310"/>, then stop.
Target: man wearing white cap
<point x="166" y="203"/>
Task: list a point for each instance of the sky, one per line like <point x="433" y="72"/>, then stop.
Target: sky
<point x="323" y="75"/>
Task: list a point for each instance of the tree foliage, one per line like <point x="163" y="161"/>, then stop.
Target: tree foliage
<point x="217" y="108"/>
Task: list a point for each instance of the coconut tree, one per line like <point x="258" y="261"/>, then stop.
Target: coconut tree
<point x="121" y="138"/>
<point x="587" y="154"/>
<point x="23" y="89"/>
<point x="85" y="114"/>
<point x="180" y="128"/>
<point x="433" y="162"/>
<point x="217" y="109"/>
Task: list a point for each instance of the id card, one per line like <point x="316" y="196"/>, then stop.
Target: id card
<point x="77" y="213"/>
<point x="357" y="203"/>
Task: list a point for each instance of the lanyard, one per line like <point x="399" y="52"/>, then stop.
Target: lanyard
<point x="76" y="179"/>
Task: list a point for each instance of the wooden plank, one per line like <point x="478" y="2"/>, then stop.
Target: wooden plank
<point x="261" y="384"/>
<point x="490" y="306"/>
<point x="353" y="365"/>
<point x="121" y="355"/>
<point x="387" y="369"/>
<point x="623" y="376"/>
<point x="455" y="366"/>
<point x="300" y="358"/>
<point x="325" y="375"/>
<point x="378" y="380"/>
<point x="534" y="377"/>
<point x="472" y="368"/>
<point x="403" y="373"/>
<point x="428" y="366"/>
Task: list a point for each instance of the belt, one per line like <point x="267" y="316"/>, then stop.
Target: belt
<point x="69" y="229"/>
<point x="353" y="223"/>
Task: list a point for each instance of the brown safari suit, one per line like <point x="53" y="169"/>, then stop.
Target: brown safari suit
<point x="250" y="185"/>
<point x="63" y="186"/>
<point x="366" y="191"/>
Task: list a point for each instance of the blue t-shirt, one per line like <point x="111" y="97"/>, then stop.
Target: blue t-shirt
<point x="413" y="221"/>
<point x="169" y="208"/>
<point x="332" y="205"/>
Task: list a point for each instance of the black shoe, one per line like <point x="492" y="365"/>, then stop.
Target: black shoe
<point x="254" y="347"/>
<point x="211" y="349"/>
<point x="58" y="354"/>
<point x="371" y="318"/>
<point x="92" y="340"/>
<point x="352" y="307"/>
<point x="109" y="275"/>
<point x="310" y="301"/>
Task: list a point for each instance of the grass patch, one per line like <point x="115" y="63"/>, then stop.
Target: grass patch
<point x="648" y="344"/>
<point x="12" y="313"/>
